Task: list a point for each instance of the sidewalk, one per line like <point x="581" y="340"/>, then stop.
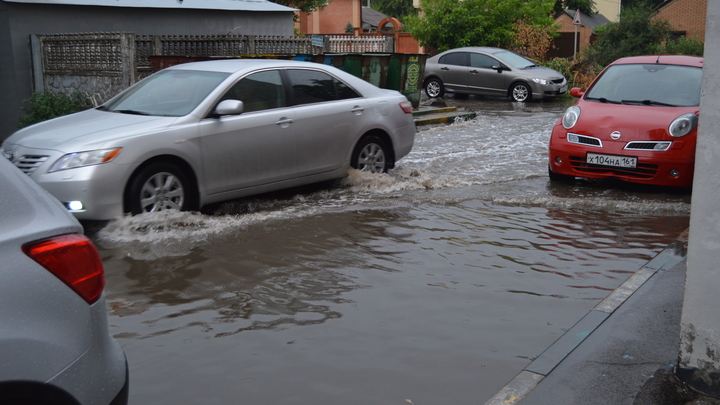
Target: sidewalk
<point x="621" y="352"/>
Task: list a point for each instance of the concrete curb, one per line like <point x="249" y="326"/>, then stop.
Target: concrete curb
<point x="543" y="365"/>
<point x="447" y="118"/>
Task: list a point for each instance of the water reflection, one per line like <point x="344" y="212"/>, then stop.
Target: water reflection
<point x="268" y="276"/>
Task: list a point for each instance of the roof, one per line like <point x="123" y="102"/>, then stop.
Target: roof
<point x="595" y="21"/>
<point x="234" y="5"/>
<point x="371" y="18"/>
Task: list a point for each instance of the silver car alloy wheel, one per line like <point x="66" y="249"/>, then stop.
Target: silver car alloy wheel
<point x="520" y="92"/>
<point x="372" y="159"/>
<point x="162" y="191"/>
<point x="432" y="89"/>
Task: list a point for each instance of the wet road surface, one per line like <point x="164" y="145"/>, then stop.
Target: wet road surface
<point x="434" y="284"/>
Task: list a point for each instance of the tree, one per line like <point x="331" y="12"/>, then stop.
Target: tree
<point x="451" y="24"/>
<point x="585" y="6"/>
<point x="393" y="8"/>
<point x="303" y="5"/>
<point x="637" y="33"/>
<point x="635" y="3"/>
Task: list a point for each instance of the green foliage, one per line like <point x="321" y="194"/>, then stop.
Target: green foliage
<point x="636" y="34"/>
<point x="685" y="46"/>
<point x="349" y="28"/>
<point x="562" y="65"/>
<point x="394" y="8"/>
<point x="451" y="24"/>
<point x="635" y="3"/>
<point x="586" y="6"/>
<point x="46" y="105"/>
<point x="303" y="5"/>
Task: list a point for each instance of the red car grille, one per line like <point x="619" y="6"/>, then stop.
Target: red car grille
<point x="642" y="171"/>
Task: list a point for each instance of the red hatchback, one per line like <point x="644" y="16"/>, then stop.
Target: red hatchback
<point x="637" y="122"/>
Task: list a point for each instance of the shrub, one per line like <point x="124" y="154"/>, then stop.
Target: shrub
<point x="45" y="105"/>
<point x="578" y="73"/>
<point x="685" y="46"/>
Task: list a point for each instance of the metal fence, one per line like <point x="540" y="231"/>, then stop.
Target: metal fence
<point x="101" y="65"/>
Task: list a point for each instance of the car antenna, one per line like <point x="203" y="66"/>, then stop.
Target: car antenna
<point x="658" y="60"/>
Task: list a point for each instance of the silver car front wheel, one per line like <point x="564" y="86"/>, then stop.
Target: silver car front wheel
<point x="159" y="186"/>
<point x="434" y="88"/>
<point x="520" y="92"/>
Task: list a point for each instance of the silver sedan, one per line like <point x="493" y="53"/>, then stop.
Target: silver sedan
<point x="491" y="72"/>
<point x="204" y="132"/>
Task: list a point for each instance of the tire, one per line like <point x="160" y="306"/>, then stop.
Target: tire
<point x="520" y="92"/>
<point x="434" y="88"/>
<point x="564" y="178"/>
<point x="158" y="187"/>
<point x="371" y="154"/>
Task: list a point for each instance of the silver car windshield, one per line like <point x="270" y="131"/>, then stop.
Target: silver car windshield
<point x="171" y="93"/>
<point x="514" y="60"/>
<point x="648" y="84"/>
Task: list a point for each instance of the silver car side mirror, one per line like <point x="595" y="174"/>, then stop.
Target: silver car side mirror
<point x="229" y="107"/>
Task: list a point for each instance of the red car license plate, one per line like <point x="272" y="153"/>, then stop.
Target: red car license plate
<point x="611" y="160"/>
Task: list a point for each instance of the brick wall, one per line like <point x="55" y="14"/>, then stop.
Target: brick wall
<point x="566" y="25"/>
<point x="332" y="19"/>
<point x="685" y="15"/>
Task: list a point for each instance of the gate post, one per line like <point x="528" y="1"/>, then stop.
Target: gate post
<point x="129" y="62"/>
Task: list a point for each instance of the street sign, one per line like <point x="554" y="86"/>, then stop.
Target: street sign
<point x="577" y="21"/>
<point x="316" y="40"/>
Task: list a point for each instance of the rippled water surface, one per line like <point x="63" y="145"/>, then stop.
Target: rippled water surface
<point x="435" y="284"/>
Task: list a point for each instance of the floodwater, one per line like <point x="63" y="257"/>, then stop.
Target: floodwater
<point x="435" y="284"/>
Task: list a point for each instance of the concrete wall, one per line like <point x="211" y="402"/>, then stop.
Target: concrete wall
<point x="609" y="8"/>
<point x="18" y="21"/>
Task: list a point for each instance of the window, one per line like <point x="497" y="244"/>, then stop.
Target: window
<point x="258" y="91"/>
<point x="455" y="58"/>
<point x="311" y="86"/>
<point x="171" y="93"/>
<point x="483" y="61"/>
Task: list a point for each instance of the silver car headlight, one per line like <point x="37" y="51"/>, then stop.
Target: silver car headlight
<point x="538" y="80"/>
<point x="572" y="114"/>
<point x="683" y="125"/>
<point x="87" y="158"/>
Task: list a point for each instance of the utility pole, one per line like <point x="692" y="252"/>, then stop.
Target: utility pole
<point x="699" y="354"/>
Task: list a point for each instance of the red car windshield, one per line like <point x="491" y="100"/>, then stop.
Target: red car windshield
<point x="648" y="84"/>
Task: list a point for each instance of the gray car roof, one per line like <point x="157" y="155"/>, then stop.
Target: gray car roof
<point x="235" y="5"/>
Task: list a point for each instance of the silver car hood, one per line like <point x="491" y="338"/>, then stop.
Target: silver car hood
<point x="90" y="128"/>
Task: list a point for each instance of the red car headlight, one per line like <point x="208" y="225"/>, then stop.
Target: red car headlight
<point x="572" y="114"/>
<point x="683" y="125"/>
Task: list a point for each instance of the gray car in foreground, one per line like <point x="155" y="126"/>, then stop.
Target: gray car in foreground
<point x="204" y="132"/>
<point x="490" y="72"/>
<point x="55" y="346"/>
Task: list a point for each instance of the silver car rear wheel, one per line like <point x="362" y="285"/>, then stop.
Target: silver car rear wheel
<point x="159" y="186"/>
<point x="520" y="92"/>
<point x="371" y="155"/>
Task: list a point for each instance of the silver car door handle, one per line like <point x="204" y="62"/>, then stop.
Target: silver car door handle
<point x="357" y="110"/>
<point x="444" y="68"/>
<point x="284" y="122"/>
